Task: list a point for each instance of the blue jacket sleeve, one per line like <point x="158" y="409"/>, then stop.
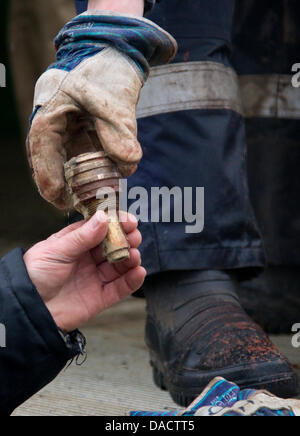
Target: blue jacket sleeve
<point x="32" y="350"/>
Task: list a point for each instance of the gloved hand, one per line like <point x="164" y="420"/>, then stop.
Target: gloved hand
<point x="89" y="96"/>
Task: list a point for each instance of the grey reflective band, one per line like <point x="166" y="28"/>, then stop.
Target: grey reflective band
<point x="210" y="85"/>
<point x="187" y="86"/>
<point x="270" y="96"/>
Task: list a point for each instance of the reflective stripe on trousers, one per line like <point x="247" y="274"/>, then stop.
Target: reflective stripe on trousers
<point x="192" y="132"/>
<point x="180" y="111"/>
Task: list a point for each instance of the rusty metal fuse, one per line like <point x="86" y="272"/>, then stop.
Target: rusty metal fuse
<point x="86" y="174"/>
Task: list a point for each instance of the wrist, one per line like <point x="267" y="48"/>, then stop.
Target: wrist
<point x="59" y="317"/>
<point x="134" y="7"/>
<point x="144" y="42"/>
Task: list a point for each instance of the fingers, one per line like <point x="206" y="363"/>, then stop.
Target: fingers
<point x="129" y="224"/>
<point x="120" y="142"/>
<point x="84" y="238"/>
<point x="129" y="221"/>
<point x="127" y="170"/>
<point x="123" y="286"/>
<point x="66" y="230"/>
<point x="134" y="239"/>
<point x="47" y="153"/>
<point x="109" y="272"/>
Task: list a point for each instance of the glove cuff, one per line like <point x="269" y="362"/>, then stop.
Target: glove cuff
<point x="87" y="34"/>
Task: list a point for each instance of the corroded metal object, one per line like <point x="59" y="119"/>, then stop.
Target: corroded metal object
<point x="87" y="175"/>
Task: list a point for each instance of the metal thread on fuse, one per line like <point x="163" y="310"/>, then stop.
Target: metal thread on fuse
<point x="86" y="174"/>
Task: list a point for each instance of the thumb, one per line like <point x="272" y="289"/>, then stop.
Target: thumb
<point x="88" y="236"/>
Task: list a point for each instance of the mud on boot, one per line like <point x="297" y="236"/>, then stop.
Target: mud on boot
<point x="196" y="330"/>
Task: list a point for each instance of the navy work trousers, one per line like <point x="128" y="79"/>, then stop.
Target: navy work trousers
<point x="228" y="88"/>
<point x="198" y="140"/>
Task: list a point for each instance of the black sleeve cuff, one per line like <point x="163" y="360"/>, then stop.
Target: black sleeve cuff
<point x="149" y="5"/>
<point x="82" y="5"/>
<point x="36" y="351"/>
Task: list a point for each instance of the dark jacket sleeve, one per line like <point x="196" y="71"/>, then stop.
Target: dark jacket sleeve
<point x="32" y="349"/>
<point x="82" y="5"/>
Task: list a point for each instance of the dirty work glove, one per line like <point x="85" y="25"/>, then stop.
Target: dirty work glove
<point x="89" y="95"/>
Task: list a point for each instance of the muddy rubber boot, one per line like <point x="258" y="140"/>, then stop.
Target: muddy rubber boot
<point x="196" y="330"/>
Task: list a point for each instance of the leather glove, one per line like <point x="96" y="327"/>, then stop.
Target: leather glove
<point x="87" y="99"/>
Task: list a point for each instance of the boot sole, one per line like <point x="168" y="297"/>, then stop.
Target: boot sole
<point x="283" y="384"/>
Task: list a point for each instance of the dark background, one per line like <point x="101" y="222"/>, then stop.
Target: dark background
<point x="9" y="125"/>
<point x="25" y="218"/>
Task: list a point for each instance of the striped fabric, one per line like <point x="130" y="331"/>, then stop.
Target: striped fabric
<point x="223" y="398"/>
<point x="86" y="35"/>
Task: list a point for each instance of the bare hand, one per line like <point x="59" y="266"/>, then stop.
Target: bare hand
<point x="72" y="277"/>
